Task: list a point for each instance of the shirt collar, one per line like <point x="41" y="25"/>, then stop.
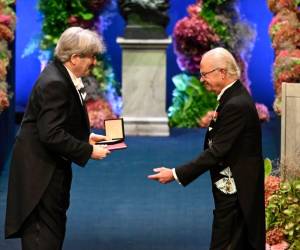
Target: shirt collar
<point x="223" y="90"/>
<point x="76" y="80"/>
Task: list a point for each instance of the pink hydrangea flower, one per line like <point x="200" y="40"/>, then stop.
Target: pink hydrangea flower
<point x="5" y="19"/>
<point x="263" y="112"/>
<point x="193" y="37"/>
<point x="280" y="246"/>
<point x="4" y="102"/>
<point x="272" y="184"/>
<point x="98" y="111"/>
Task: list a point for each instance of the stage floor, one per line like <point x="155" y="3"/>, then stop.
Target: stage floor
<point x="115" y="207"/>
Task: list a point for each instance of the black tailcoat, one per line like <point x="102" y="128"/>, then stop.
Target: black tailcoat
<point x="54" y="132"/>
<point x="236" y="142"/>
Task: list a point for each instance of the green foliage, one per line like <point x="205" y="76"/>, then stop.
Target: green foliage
<point x="283" y="212"/>
<point x="190" y="101"/>
<point x="56" y="15"/>
<point x="55" y="21"/>
<point x="268" y="167"/>
<point x="80" y="10"/>
<point x="213" y="3"/>
<point x="104" y="75"/>
<point x="209" y="14"/>
<point x="4" y="55"/>
<point x="220" y="28"/>
<point x="99" y="73"/>
<point x="8" y="2"/>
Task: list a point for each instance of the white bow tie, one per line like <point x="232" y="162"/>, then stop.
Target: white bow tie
<point x="78" y="84"/>
<point x="80" y="87"/>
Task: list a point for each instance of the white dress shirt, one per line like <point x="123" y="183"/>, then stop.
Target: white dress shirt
<point x="77" y="81"/>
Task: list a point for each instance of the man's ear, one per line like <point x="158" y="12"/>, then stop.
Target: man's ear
<point x="223" y="71"/>
<point x="74" y="59"/>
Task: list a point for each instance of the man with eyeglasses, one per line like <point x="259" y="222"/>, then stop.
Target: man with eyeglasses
<point x="233" y="155"/>
<point x="55" y="132"/>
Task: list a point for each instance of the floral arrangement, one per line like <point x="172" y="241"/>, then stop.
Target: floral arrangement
<point x="284" y="31"/>
<point x="190" y="101"/>
<point x="101" y="86"/>
<point x="193" y="37"/>
<point x="282" y="211"/>
<point x="235" y="33"/>
<point x="4" y="101"/>
<point x="7" y="27"/>
<point x="263" y="112"/>
<point x="210" y="23"/>
<point x="277" y="5"/>
<point x="286" y="68"/>
<point x="98" y="111"/>
<point x="68" y="13"/>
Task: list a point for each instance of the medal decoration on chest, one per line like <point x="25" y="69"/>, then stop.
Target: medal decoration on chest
<point x="214" y="118"/>
<point x="226" y="184"/>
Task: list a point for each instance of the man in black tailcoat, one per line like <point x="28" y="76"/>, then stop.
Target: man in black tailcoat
<point x="233" y="155"/>
<point x="54" y="133"/>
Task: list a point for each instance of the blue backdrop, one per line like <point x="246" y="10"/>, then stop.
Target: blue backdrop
<point x="256" y="12"/>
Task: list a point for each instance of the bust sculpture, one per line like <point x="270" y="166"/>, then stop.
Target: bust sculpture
<point x="145" y="19"/>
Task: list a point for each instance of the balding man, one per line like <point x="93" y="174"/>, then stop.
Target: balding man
<point x="54" y="133"/>
<point x="233" y="155"/>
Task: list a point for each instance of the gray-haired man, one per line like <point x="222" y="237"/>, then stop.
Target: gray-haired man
<point x="233" y="155"/>
<point x="55" y="132"/>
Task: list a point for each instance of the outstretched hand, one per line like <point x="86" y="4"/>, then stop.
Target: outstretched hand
<point x="163" y="175"/>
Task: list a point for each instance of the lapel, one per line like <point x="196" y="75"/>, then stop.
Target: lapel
<point x="70" y="83"/>
<point x="227" y="95"/>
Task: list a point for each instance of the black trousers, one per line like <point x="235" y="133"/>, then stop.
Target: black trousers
<point x="45" y="228"/>
<point x="229" y="230"/>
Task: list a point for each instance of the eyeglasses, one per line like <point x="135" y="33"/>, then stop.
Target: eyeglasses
<point x="204" y="74"/>
<point x="92" y="56"/>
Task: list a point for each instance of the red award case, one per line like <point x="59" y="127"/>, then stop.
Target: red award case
<point x="114" y="129"/>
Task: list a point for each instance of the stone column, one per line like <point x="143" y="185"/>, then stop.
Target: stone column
<point x="144" y="86"/>
<point x="290" y="131"/>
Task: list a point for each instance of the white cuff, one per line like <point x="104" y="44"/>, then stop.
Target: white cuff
<point x="175" y="175"/>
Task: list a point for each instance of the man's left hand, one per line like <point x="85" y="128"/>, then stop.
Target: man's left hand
<point x="163" y="175"/>
<point x="96" y="138"/>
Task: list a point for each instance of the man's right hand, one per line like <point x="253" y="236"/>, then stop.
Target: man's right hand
<point x="99" y="152"/>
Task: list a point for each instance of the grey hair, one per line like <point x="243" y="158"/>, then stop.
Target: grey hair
<point x="79" y="41"/>
<point x="225" y="60"/>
